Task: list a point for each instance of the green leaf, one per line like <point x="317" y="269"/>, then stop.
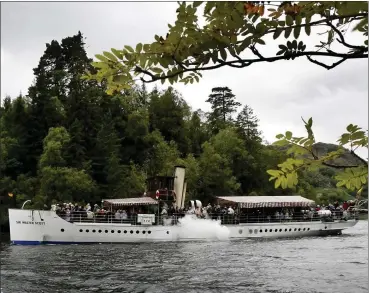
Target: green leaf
<point x="308" y="30"/>
<point x="101" y="58"/>
<point x="277" y="33"/>
<point x="279" y="136"/>
<point x="129" y="49"/>
<point x="110" y="56"/>
<point x="260" y="41"/>
<point x="117" y="53"/>
<point x="287" y="32"/>
<point x="296" y="32"/>
<point x="361" y="24"/>
<point x="288" y="135"/>
<point x="138" y="48"/>
<point x="289" y="20"/>
<point x="223" y="54"/>
<point x="245" y="43"/>
<point x="196" y="4"/>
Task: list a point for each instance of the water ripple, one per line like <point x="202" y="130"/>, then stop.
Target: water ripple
<point x="304" y="265"/>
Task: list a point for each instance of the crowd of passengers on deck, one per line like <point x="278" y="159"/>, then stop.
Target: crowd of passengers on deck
<point x="228" y="214"/>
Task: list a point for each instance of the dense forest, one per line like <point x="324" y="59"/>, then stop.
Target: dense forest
<point x="67" y="140"/>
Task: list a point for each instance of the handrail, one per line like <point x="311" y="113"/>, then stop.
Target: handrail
<point x="80" y="217"/>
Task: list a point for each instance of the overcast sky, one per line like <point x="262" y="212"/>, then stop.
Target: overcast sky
<point x="280" y="93"/>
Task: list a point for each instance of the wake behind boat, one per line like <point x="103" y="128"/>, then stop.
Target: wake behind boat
<point x="161" y="215"/>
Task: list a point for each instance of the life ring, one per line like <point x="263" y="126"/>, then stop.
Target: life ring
<point x="157" y="194"/>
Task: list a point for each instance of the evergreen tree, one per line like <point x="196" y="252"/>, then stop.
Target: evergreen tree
<point x="248" y="123"/>
<point x="223" y="104"/>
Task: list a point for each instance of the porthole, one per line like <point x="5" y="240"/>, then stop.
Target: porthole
<point x="143" y="232"/>
<point x="285" y="230"/>
<point x="303" y="229"/>
<point x="106" y="231"/>
<point x="119" y="231"/>
<point x="167" y="232"/>
<point x="270" y="230"/>
<point x="299" y="229"/>
<point x="308" y="229"/>
<point x="256" y="231"/>
<point x="266" y="230"/>
<point x="261" y="231"/>
<point x="87" y="231"/>
<point x="112" y="231"/>
<point x="125" y="231"/>
<point x="131" y="232"/>
<point x="280" y="230"/>
<point x="148" y="232"/>
<point x="137" y="232"/>
<point x="295" y="229"/>
<point x="80" y="230"/>
<point x="325" y="227"/>
<point x="100" y="231"/>
<point x="250" y="231"/>
<point x="62" y="230"/>
<point x="240" y="231"/>
<point x="276" y="230"/>
<point x="93" y="231"/>
<point x="290" y="229"/>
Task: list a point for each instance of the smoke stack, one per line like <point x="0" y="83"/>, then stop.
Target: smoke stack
<point x="179" y="174"/>
<point x="184" y="195"/>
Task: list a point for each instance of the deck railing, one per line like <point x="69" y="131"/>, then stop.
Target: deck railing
<point x="80" y="217"/>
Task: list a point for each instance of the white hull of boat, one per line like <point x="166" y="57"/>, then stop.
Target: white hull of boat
<point x="31" y="227"/>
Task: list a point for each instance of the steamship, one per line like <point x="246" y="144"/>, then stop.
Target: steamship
<point x="33" y="227"/>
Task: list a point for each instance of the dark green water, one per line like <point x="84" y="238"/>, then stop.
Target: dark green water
<point x="305" y="265"/>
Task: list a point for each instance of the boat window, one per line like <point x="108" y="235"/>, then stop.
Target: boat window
<point x="93" y="231"/>
<point x="112" y="231"/>
<point x="270" y="230"/>
<point x="80" y="230"/>
<point x="87" y="231"/>
<point x="148" y="232"/>
<point x="290" y="229"/>
<point x="299" y="229"/>
<point x="276" y="230"/>
<point x="167" y="232"/>
<point x="285" y="230"/>
<point x="266" y="230"/>
<point x="100" y="231"/>
<point x="240" y="231"/>
<point x="280" y="230"/>
<point x="250" y="231"/>
<point x="137" y="232"/>
<point x="106" y="231"/>
<point x="125" y="231"/>
<point x="308" y="229"/>
<point x="62" y="230"/>
<point x="131" y="232"/>
<point x="143" y="232"/>
<point x="261" y="231"/>
<point x="295" y="229"/>
<point x="118" y="231"/>
<point x="303" y="229"/>
<point x="255" y="231"/>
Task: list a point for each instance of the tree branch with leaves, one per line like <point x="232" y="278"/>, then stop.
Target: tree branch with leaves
<point x="233" y="36"/>
<point x="304" y="157"/>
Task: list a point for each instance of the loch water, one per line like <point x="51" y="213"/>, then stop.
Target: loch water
<point x="302" y="265"/>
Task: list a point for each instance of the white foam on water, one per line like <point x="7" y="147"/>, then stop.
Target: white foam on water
<point x="192" y="227"/>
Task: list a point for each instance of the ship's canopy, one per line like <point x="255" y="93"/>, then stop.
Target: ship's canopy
<point x="249" y="202"/>
<point x="138" y="201"/>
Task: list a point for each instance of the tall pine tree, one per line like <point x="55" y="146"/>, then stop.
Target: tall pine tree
<point x="223" y="104"/>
